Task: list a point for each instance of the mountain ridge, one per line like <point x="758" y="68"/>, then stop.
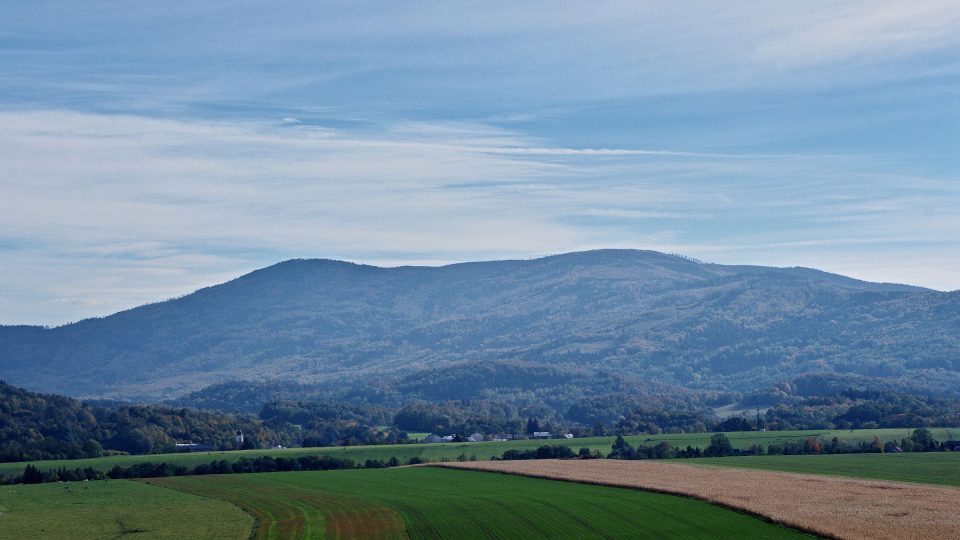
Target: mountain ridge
<point x="646" y="315"/>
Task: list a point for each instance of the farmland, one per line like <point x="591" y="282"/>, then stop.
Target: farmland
<point x="115" y="508"/>
<point x="932" y="468"/>
<point x="428" y="502"/>
<point x="480" y="451"/>
<point x="431" y="502"/>
<point x="829" y="506"/>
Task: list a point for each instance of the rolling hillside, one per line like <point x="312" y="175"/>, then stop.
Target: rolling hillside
<point x="609" y="320"/>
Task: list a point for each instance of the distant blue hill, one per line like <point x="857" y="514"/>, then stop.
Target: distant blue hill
<point x="565" y="325"/>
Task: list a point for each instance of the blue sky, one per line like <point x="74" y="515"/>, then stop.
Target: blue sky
<point x="148" y="149"/>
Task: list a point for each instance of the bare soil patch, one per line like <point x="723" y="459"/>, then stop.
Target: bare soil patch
<point x="828" y="506"/>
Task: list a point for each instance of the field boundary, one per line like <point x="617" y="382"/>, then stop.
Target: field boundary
<point x="737" y="509"/>
<point x="440" y="452"/>
<point x="827" y="506"/>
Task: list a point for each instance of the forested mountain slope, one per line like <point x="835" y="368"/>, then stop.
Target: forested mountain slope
<point x="579" y="322"/>
<point x="48" y="426"/>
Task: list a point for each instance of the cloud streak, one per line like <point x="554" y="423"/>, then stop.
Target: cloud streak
<point x="149" y="151"/>
<point x="344" y="59"/>
<point x="121" y="210"/>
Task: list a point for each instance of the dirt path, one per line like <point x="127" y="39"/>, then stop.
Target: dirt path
<point x="826" y="505"/>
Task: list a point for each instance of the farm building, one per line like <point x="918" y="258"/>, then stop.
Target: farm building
<point x="192" y="447"/>
<point x="432" y="438"/>
<point x="542" y="435"/>
<point x="476" y="437"/>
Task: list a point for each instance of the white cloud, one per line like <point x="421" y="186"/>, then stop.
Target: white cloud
<point x="104" y="212"/>
<point x="868" y="31"/>
<point x="366" y="59"/>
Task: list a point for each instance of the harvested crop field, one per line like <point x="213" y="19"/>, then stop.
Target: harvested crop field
<point x="828" y="506"/>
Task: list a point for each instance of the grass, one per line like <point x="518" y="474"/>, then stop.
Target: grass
<point x="482" y="451"/>
<point x="115" y="508"/>
<point x="426" y="502"/>
<point x="833" y="507"/>
<point x="930" y="468"/>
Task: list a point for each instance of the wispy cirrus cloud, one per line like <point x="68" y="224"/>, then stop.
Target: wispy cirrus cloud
<point x="386" y="58"/>
<point x="118" y="210"/>
<point x="150" y="150"/>
<point x="860" y="32"/>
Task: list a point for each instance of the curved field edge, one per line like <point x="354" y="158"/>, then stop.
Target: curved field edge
<point x="941" y="468"/>
<point x="824" y="505"/>
<point x="115" y="508"/>
<point x="285" y="510"/>
<point x="481" y="450"/>
<point x="447" y="503"/>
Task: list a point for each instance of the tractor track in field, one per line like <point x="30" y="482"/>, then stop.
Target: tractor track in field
<point x="291" y="512"/>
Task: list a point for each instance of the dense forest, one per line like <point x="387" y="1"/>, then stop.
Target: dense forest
<point x="46" y="426"/>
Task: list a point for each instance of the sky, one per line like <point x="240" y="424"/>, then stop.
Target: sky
<point x="148" y="149"/>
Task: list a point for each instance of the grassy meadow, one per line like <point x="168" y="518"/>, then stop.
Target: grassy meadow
<point x="426" y="502"/>
<point x="480" y="451"/>
<point x="113" y="509"/>
<point x="930" y="467"/>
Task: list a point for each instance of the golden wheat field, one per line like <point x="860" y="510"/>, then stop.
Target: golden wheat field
<point x="828" y="506"/>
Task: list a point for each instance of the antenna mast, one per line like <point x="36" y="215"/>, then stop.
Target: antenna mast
<point x="758" y="413"/>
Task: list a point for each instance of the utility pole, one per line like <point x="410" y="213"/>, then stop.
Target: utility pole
<point x="758" y="413"/>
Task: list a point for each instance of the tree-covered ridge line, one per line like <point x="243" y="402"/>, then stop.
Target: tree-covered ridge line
<point x="44" y="426"/>
<point x="47" y="426"/>
<point x="784" y="406"/>
<point x="633" y="318"/>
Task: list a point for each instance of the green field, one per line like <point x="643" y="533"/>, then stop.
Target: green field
<point x="115" y="508"/>
<point x="426" y="502"/>
<point x="482" y="451"/>
<point x="419" y="502"/>
<point x="931" y="468"/>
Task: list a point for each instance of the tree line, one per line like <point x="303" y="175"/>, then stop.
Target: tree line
<point x="45" y="426"/>
<point x="920" y="440"/>
<point x="37" y="426"/>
